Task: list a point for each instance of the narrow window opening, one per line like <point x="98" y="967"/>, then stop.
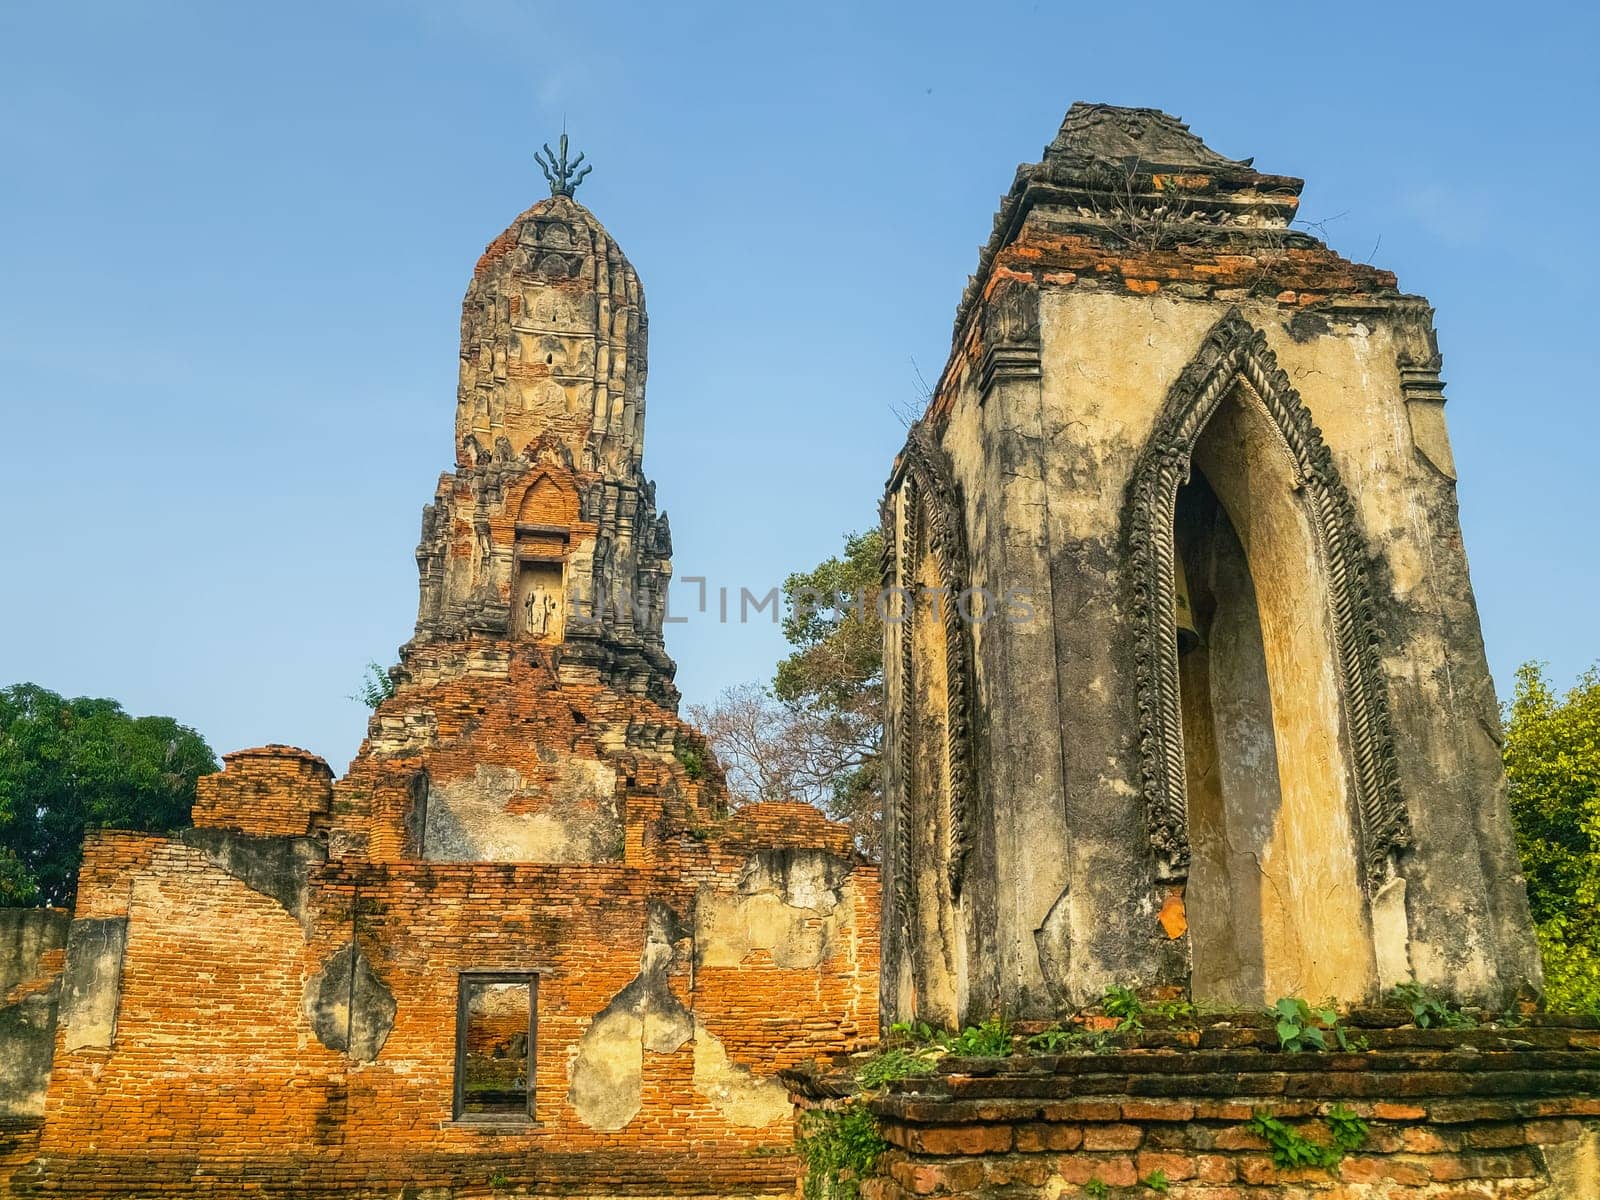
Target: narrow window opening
<point x="496" y="1020"/>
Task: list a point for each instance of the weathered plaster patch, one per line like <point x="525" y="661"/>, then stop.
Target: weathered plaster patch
<point x="477" y="819"/>
<point x="803" y="878"/>
<point x="91" y="984"/>
<point x="277" y="867"/>
<point x="25" y="934"/>
<point x="1429" y="435"/>
<point x="1053" y="941"/>
<point x="606" y="1072"/>
<point x="787" y="904"/>
<point x="1574" y="1167"/>
<point x="1391" y="941"/>
<point x="28" y="1024"/>
<point x="27" y="1041"/>
<point x="742" y="1097"/>
<point x="350" y="1009"/>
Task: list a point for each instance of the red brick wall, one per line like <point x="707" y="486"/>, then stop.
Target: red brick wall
<point x="210" y="1046"/>
<point x="268" y="790"/>
<point x="214" y="1061"/>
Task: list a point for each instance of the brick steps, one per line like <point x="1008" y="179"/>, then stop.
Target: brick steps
<point x="1448" y="1115"/>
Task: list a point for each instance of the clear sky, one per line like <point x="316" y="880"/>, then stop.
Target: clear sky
<point x="234" y="240"/>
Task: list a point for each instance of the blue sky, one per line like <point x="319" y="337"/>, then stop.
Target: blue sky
<point x="235" y="239"/>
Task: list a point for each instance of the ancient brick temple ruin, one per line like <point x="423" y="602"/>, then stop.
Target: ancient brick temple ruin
<point x="1186" y="696"/>
<point x="1191" y="698"/>
<point x="522" y="943"/>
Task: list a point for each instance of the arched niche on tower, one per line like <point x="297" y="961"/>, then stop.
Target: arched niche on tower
<point x="546" y="514"/>
<point x="1267" y="760"/>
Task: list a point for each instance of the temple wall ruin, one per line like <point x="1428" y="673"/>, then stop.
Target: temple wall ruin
<point x="241" y="1038"/>
<point x="1096" y="418"/>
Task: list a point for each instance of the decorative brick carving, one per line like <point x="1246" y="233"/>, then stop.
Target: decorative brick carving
<point x="933" y="517"/>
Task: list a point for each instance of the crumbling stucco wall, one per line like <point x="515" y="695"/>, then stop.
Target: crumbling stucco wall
<point x="91" y="985"/>
<point x="284" y="1006"/>
<point x="348" y="1007"/>
<point x="785" y="906"/>
<point x="317" y="1024"/>
<point x="787" y="915"/>
<point x="32" y="950"/>
<point x="183" y="993"/>
<point x="646" y="1017"/>
<point x="1108" y="362"/>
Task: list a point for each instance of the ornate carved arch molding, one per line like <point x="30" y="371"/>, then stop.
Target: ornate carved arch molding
<point x="1235" y="350"/>
<point x="898" y="805"/>
<point x="931" y="503"/>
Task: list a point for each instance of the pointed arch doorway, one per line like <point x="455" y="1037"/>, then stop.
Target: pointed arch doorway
<point x="1267" y="768"/>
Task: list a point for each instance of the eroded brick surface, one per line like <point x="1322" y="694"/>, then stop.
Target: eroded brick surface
<point x="1490" y="1114"/>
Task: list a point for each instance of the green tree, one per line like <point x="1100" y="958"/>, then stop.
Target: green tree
<point x="1552" y="756"/>
<point x="833" y="679"/>
<point x="67" y="766"/>
<point x="814" y="733"/>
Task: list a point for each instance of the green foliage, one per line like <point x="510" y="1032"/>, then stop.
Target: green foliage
<point x="1051" y="1041"/>
<point x="1301" y="1027"/>
<point x="992" y="1039"/>
<point x="1124" y="1004"/>
<point x="917" y="1033"/>
<point x="498" y="1180"/>
<point x="1121" y="1002"/>
<point x="17" y="884"/>
<point x="833" y="678"/>
<point x="1070" y="1041"/>
<point x="1347" y="1130"/>
<point x="376" y="686"/>
<point x="1291" y="1148"/>
<point x="838" y="647"/>
<point x="1552" y="756"/>
<point x="1097" y="1188"/>
<point x="693" y="761"/>
<point x="67" y="766"/>
<point x="1427" y="1010"/>
<point x="1177" y="1011"/>
<point x="1156" y="1181"/>
<point x="840" y="1146"/>
<point x="892" y="1064"/>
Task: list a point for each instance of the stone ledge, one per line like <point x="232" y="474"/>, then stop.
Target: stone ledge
<point x="1444" y="1120"/>
<point x="369" y="1175"/>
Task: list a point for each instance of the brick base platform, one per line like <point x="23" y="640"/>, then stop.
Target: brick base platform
<point x="1484" y="1114"/>
<point x="354" y="1176"/>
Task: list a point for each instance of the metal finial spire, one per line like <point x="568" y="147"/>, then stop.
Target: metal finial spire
<point x="564" y="177"/>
